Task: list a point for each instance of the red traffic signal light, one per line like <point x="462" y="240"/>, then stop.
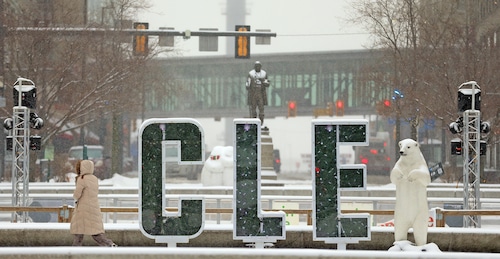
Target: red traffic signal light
<point x="35" y="142"/>
<point x="456" y="147"/>
<point x="242" y="43"/>
<point x="292" y="108"/>
<point x="384" y="107"/>
<point x="141" y="41"/>
<point x="339" y="105"/>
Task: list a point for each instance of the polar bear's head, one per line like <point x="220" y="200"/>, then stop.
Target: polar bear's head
<point x="213" y="163"/>
<point x="408" y="147"/>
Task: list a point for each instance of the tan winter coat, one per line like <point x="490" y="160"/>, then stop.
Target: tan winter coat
<point x="87" y="217"/>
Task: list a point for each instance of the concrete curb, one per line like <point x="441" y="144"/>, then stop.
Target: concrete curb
<point x="129" y="235"/>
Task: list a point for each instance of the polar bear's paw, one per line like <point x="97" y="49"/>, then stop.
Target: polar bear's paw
<point x="405" y="245"/>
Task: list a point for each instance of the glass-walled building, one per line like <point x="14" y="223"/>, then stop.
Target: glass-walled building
<point x="217" y="85"/>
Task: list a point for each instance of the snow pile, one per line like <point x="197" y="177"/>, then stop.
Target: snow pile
<point x="121" y="181"/>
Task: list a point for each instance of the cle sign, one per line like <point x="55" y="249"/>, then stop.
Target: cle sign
<point x="250" y="223"/>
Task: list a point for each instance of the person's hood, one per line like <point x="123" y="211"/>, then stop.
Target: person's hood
<point x="86" y="167"/>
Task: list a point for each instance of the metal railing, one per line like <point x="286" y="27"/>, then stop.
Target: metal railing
<point x="65" y="212"/>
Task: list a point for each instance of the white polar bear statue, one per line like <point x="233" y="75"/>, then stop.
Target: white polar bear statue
<point x="218" y="168"/>
<point x="411" y="177"/>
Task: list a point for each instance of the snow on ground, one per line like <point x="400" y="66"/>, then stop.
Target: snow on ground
<point x="121" y="181"/>
<point x="177" y="252"/>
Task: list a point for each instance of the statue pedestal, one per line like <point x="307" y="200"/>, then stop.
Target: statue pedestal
<point x="266" y="160"/>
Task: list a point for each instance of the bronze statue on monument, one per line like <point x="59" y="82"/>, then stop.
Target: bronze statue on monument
<point x="256" y="85"/>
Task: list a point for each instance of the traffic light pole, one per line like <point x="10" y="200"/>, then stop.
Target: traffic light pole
<point x="141" y="32"/>
<point x="61" y="31"/>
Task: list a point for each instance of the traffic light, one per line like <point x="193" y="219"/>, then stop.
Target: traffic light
<point x="339" y="108"/>
<point x="384" y="107"/>
<point x="9" y="143"/>
<point x="456" y="146"/>
<point x="141" y="41"/>
<point x="292" y="108"/>
<point x="482" y="147"/>
<point x="331" y="108"/>
<point x="242" y="43"/>
<point x="35" y="142"/>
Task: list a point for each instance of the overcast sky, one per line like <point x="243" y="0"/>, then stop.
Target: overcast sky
<point x="301" y="26"/>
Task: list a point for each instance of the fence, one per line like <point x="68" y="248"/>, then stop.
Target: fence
<point x="65" y="212"/>
<point x="377" y="201"/>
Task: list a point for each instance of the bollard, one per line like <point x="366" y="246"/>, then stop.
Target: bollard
<point x="439" y="218"/>
<point x="65" y="214"/>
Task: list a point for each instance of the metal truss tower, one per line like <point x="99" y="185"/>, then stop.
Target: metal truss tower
<point x="470" y="126"/>
<point x="20" y="165"/>
<point x="471" y="167"/>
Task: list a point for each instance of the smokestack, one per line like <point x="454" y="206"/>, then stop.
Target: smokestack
<point x="235" y="15"/>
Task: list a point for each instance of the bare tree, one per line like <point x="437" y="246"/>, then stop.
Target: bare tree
<point x="432" y="47"/>
<point x="394" y="26"/>
<point x="80" y="78"/>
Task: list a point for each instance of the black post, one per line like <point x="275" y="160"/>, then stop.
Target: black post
<point x="2" y="89"/>
<point x="117" y="144"/>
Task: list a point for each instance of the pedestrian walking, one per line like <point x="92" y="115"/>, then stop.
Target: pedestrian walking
<point x="87" y="217"/>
